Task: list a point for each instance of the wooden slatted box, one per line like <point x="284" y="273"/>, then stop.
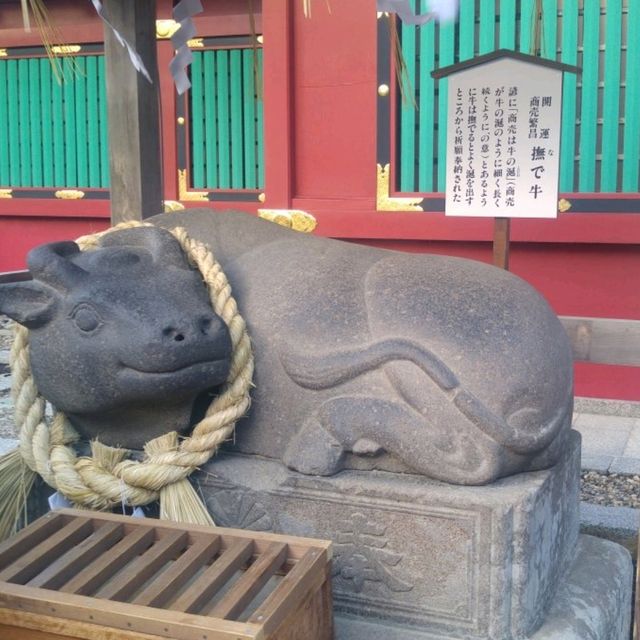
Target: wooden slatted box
<point x="81" y="574"/>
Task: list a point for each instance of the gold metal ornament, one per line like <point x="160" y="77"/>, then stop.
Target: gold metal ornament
<point x="166" y="28"/>
<point x="563" y="205"/>
<point x="386" y="203"/>
<point x="65" y="49"/>
<point x="69" y="194"/>
<point x="291" y="218"/>
<point x="185" y="194"/>
<point x="6" y="193"/>
<point x="173" y="205"/>
<point x="383" y="90"/>
<point x="195" y="43"/>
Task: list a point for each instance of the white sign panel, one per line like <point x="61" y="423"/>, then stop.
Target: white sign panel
<point x="503" y="141"/>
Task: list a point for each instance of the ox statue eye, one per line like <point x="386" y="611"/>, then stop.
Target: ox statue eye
<point x="86" y="318"/>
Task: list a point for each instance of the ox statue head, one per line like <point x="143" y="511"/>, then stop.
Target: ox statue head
<point x="123" y="339"/>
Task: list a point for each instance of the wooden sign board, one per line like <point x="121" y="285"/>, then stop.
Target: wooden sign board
<point x="503" y="140"/>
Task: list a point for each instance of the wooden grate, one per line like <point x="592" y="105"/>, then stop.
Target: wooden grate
<point x="160" y="578"/>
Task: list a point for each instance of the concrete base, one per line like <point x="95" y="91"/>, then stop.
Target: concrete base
<point x="593" y="602"/>
<point x="479" y="563"/>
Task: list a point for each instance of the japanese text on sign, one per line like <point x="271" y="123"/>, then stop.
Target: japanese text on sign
<point x="503" y="141"/>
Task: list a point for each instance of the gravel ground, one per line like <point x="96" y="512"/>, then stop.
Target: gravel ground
<point x="608" y="489"/>
<point x="611" y="489"/>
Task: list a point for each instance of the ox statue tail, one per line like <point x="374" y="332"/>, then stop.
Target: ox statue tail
<point x="327" y="370"/>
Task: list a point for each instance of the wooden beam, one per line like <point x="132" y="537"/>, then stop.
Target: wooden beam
<point x="501" y="231"/>
<point x="604" y="340"/>
<point x="14" y="276"/>
<point x="132" y="110"/>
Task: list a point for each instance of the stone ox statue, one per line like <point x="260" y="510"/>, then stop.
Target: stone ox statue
<point x="365" y="358"/>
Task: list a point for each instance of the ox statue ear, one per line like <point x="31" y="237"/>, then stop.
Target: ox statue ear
<point x="28" y="303"/>
<point x="53" y="263"/>
<point x="160" y="243"/>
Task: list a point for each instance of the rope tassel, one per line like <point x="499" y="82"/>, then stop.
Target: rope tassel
<point x="16" y="481"/>
<point x="180" y="502"/>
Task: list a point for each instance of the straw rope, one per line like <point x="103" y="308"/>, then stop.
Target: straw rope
<point x="109" y="478"/>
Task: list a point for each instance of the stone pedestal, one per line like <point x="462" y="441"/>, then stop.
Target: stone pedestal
<point x="592" y="602"/>
<point x="417" y="554"/>
<point x="594" y="598"/>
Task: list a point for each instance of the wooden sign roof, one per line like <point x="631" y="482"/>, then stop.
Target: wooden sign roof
<point x="500" y="54"/>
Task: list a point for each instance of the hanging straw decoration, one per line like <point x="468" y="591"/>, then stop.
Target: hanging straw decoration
<point x="257" y="76"/>
<point x="400" y="65"/>
<point x="51" y="38"/>
<point x="442" y="10"/>
<point x="536" y="27"/>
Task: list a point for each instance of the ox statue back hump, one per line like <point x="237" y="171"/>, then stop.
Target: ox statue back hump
<point x="367" y="358"/>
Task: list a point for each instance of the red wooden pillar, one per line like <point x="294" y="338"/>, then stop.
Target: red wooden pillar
<point x="278" y="109"/>
<point x="168" y="98"/>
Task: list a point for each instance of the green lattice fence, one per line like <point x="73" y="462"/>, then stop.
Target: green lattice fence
<point x="600" y="136"/>
<point x="53" y="127"/>
<point x="226" y="129"/>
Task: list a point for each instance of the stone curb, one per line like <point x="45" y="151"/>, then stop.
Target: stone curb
<point x="622" y="520"/>
<point x="607" y="407"/>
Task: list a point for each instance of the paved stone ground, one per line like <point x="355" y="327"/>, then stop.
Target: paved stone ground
<point x="610" y="443"/>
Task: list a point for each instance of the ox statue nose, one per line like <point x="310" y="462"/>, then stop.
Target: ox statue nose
<point x="205" y="325"/>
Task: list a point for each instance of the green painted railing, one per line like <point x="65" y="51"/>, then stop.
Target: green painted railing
<point x="226" y="133"/>
<point x="53" y="127"/>
<point x="600" y="131"/>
